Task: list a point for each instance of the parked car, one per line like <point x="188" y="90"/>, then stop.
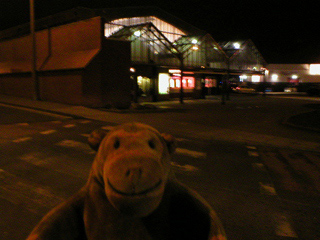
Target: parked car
<point x="244" y="89"/>
<point x="290" y="89"/>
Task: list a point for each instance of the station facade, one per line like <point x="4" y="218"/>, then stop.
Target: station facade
<point x="112" y="56"/>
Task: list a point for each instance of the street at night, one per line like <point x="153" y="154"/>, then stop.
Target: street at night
<point x="259" y="174"/>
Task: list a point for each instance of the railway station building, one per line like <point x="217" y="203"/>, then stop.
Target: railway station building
<point x="99" y="57"/>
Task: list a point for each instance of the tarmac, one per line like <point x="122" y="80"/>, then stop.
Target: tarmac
<point x="309" y="120"/>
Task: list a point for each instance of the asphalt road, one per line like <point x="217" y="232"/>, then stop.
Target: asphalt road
<point x="258" y="191"/>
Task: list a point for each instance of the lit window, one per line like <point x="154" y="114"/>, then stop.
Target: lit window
<point x="163" y="83"/>
<point x="255" y="78"/>
<point x="243" y="77"/>
<point x="191" y="83"/>
<point x="314" y="69"/>
<point x="274" y="77"/>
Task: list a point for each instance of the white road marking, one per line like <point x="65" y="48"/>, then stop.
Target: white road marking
<point x="85" y="135"/>
<point x="251" y="147"/>
<point x="22" y="124"/>
<point x="253" y="154"/>
<point x="186" y="168"/>
<point x="108" y="128"/>
<point x="69" y="126"/>
<point x="267" y="189"/>
<point x="48" y="132"/>
<point x="283" y="226"/>
<point x="76" y="145"/>
<point x="24" y="139"/>
<point x="32" y="197"/>
<point x="190" y="153"/>
<point x="85" y="121"/>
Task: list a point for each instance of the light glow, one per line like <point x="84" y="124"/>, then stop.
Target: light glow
<point x="255" y="78"/>
<point x="195" y="47"/>
<point x="274" y="77"/>
<point x="137" y="33"/>
<point x="294" y="76"/>
<point x="194" y="41"/>
<point x="236" y="45"/>
<point x="314" y="69"/>
<point x="163" y="83"/>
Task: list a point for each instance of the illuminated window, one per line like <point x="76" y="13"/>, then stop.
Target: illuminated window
<point x="255" y="78"/>
<point x="243" y="77"/>
<point x="188" y="82"/>
<point x="314" y="69"/>
<point x="163" y="83"/>
<point x="274" y="77"/>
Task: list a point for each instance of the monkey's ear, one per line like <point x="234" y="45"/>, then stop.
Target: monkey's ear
<point x="170" y="141"/>
<point x="96" y="138"/>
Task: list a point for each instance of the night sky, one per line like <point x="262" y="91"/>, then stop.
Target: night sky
<point x="283" y="31"/>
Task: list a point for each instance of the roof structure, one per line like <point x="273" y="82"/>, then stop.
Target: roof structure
<point x="108" y="14"/>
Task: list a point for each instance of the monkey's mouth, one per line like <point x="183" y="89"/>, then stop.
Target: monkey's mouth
<point x="133" y="192"/>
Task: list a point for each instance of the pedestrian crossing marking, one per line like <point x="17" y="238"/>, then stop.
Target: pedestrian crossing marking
<point x="191" y="153"/>
<point x="76" y="145"/>
<point x="47" y="132"/>
<point x="267" y="189"/>
<point x="69" y="126"/>
<point x="24" y="139"/>
<point x="186" y="168"/>
<point x="283" y="226"/>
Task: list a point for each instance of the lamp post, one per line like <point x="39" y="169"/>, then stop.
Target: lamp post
<point x="36" y="95"/>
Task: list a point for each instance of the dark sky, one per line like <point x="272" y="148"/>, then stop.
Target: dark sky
<point x="283" y="31"/>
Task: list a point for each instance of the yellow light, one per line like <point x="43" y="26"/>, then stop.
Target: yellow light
<point x="195" y="47"/>
<point x="294" y="76"/>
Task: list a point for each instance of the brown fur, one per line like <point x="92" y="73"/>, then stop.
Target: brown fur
<point x="131" y="194"/>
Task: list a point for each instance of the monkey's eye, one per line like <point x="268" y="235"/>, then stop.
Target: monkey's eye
<point x="152" y="144"/>
<point x="116" y="144"/>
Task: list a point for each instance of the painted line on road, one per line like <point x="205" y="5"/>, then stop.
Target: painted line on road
<point x="185" y="168"/>
<point x="108" y="128"/>
<point x="69" y="126"/>
<point x="21" y="193"/>
<point x="253" y="154"/>
<point x="85" y="121"/>
<point x="76" y="145"/>
<point x="23" y="124"/>
<point x="47" y="132"/>
<point x="24" y="139"/>
<point x="190" y="153"/>
<point x="267" y="189"/>
<point x="283" y="226"/>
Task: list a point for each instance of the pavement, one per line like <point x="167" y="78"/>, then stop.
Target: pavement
<point x="309" y="120"/>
